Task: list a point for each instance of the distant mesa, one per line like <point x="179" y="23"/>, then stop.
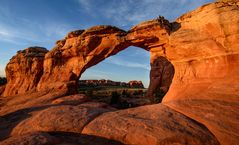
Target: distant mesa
<point x="110" y="83"/>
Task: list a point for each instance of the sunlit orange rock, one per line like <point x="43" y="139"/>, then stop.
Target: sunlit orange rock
<point x="150" y="125"/>
<point x="194" y="58"/>
<point x="204" y="52"/>
<point x="81" y="49"/>
<point x="24" y="71"/>
<point x="62" y="118"/>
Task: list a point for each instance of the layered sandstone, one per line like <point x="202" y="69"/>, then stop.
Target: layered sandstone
<point x="194" y="58"/>
<point x="24" y="71"/>
<point x="80" y="50"/>
<point x="205" y="54"/>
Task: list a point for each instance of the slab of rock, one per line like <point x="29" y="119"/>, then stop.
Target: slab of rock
<point x="31" y="139"/>
<point x="63" y="118"/>
<point x="71" y="100"/>
<point x="150" y="125"/>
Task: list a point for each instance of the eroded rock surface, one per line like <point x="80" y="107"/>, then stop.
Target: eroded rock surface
<point x="31" y="139"/>
<point x="204" y="52"/>
<point x="63" y="118"/>
<point x="24" y="71"/>
<point x="198" y="52"/>
<point x="80" y="50"/>
<point x="152" y="125"/>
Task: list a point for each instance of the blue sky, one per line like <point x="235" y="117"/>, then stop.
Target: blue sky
<point x="25" y="23"/>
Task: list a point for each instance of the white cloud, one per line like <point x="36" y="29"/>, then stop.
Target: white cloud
<point x="85" y="3"/>
<point x="95" y="74"/>
<point x="124" y="63"/>
<point x="129" y="12"/>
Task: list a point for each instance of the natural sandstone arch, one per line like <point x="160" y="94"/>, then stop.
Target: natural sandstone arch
<point x="81" y="49"/>
<point x="205" y="86"/>
<point x="204" y="52"/>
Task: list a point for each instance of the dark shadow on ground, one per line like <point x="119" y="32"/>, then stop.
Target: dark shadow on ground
<point x="9" y="121"/>
<point x="82" y="139"/>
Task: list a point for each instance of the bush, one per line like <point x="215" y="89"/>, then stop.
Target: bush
<point x="89" y="93"/>
<point x="3" y="81"/>
<point x="125" y="93"/>
<point x="114" y="97"/>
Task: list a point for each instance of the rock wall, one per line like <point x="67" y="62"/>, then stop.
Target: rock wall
<point x="80" y="49"/>
<point x="205" y="54"/>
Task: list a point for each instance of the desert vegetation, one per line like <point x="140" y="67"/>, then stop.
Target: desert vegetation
<point x="117" y="96"/>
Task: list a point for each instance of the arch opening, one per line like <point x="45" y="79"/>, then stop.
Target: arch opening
<point x="108" y="80"/>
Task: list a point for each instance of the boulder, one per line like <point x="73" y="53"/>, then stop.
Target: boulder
<point x="150" y="125"/>
<point x="63" y="118"/>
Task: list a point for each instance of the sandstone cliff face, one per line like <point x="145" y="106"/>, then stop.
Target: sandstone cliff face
<point x="204" y="52"/>
<point x="195" y="59"/>
<point x="24" y="71"/>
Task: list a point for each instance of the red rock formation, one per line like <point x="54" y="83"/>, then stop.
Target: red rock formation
<point x="136" y="84"/>
<point x="204" y="52"/>
<point x="31" y="139"/>
<point x="201" y="106"/>
<point x="152" y="36"/>
<point x="110" y="83"/>
<point x="80" y="50"/>
<point x="150" y="125"/>
<point x="161" y="75"/>
<point x="62" y="118"/>
<point x="24" y="71"/>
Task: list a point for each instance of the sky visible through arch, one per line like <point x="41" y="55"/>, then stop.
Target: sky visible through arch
<point x="25" y="23"/>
